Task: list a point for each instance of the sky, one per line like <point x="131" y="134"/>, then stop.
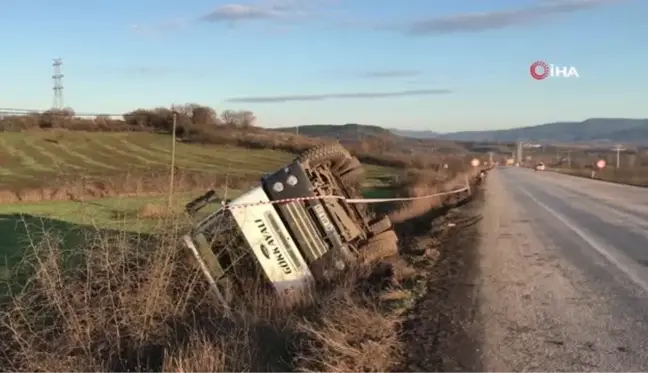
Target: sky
<point x="435" y="65"/>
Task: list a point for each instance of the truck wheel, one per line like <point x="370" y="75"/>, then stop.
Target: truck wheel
<point x="380" y="225"/>
<point x="333" y="153"/>
<point x="352" y="171"/>
<point x="344" y="165"/>
<point x="381" y="246"/>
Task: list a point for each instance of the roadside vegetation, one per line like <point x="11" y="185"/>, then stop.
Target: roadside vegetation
<point x="94" y="278"/>
<point x="637" y="176"/>
<point x="581" y="162"/>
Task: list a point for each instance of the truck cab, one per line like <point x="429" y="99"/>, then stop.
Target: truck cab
<point x="295" y="228"/>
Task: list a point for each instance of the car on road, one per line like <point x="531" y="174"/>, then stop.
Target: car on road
<point x="540" y="167"/>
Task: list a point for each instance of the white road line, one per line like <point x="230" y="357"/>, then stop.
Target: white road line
<point x="593" y="243"/>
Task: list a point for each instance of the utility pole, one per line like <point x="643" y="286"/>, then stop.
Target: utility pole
<point x="618" y="149"/>
<point x="173" y="150"/>
<point x="58" y="84"/>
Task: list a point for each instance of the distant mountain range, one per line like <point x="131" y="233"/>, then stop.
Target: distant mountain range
<point x="621" y="130"/>
<point x="352" y="133"/>
<point x="415" y="134"/>
<point x="590" y="131"/>
<point x="350" y="130"/>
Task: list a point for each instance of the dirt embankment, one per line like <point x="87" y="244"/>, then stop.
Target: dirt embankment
<point x="441" y="331"/>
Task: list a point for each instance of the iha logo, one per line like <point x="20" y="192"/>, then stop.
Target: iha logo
<point x="541" y="70"/>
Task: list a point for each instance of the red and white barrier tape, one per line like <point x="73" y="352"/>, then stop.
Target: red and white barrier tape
<point x="348" y="200"/>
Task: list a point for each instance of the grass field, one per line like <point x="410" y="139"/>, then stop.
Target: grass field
<point x="24" y="226"/>
<point x="135" y="301"/>
<point x="37" y="159"/>
<point x="32" y="159"/>
<point x="29" y="159"/>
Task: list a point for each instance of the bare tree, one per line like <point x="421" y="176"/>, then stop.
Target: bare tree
<point x="204" y="115"/>
<point x="385" y="142"/>
<point x="68" y="112"/>
<point x="229" y="118"/>
<point x="139" y="117"/>
<point x="101" y="121"/>
<point x="246" y="119"/>
<point x="364" y="146"/>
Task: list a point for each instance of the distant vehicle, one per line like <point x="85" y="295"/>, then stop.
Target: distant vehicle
<point x="540" y="167"/>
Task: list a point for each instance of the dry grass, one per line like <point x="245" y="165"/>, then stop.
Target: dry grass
<point x="353" y="337"/>
<point x="154" y="211"/>
<point x="637" y="176"/>
<point x="124" y="303"/>
<point x="422" y="183"/>
<point x="125" y="185"/>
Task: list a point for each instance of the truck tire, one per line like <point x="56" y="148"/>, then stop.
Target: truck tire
<point x="380" y="225"/>
<point x="351" y="172"/>
<point x="381" y="246"/>
<point x="333" y="153"/>
<point x="343" y="166"/>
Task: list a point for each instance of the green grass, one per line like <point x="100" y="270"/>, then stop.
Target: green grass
<point x="36" y="159"/>
<point x="25" y="225"/>
<point x="28" y="159"/>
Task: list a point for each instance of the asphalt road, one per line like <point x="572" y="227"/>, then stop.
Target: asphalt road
<point x="564" y="274"/>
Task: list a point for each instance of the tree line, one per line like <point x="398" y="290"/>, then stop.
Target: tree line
<point x="189" y="118"/>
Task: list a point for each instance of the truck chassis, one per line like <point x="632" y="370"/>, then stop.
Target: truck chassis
<point x="293" y="230"/>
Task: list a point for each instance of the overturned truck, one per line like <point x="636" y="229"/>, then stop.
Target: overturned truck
<point x="295" y="229"/>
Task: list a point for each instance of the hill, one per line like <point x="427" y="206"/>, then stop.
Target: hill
<point x="415" y="134"/>
<point x="623" y="130"/>
<point x="350" y="131"/>
<point x="349" y="134"/>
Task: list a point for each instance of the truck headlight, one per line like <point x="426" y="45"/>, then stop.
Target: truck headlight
<point x="292" y="180"/>
<point x="278" y="187"/>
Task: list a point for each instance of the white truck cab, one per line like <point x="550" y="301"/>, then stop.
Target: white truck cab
<point x="288" y="231"/>
<point x="270" y="241"/>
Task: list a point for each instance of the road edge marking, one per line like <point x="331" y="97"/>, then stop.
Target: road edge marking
<point x="593" y="243"/>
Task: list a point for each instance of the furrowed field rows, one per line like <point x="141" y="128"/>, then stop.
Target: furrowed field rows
<point x="38" y="158"/>
<point x="194" y="156"/>
<point x="41" y="156"/>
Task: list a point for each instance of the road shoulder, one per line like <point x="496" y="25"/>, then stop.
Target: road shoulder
<point x="440" y="331"/>
<point x="538" y="310"/>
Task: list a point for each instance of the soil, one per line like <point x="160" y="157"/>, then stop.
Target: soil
<point x="441" y="332"/>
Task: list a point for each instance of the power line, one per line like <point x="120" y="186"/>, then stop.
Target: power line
<point x="17" y="112"/>
<point x="58" y="83"/>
